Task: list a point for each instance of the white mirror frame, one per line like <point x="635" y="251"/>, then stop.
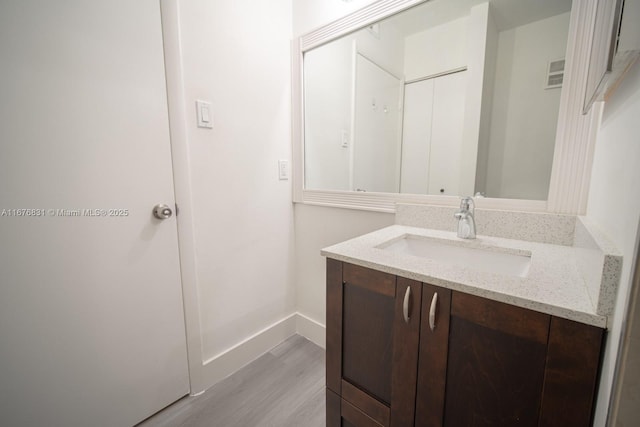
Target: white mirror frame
<point x="575" y="136"/>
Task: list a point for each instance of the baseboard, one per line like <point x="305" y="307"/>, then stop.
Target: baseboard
<point x="221" y="366"/>
<point x="311" y="330"/>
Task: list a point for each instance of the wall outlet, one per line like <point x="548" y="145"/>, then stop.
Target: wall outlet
<point x="283" y="170"/>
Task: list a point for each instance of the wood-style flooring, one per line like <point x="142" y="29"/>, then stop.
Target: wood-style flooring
<point x="282" y="388"/>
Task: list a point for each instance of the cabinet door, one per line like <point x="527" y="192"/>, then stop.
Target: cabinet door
<point x="434" y="344"/>
<point x="496" y="363"/>
<point x="373" y="326"/>
<point x="571" y="378"/>
<point x="343" y="414"/>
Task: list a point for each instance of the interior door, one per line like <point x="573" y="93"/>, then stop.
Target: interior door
<point x="91" y="318"/>
<point x="432" y="135"/>
<point x="416" y="137"/>
<point x="376" y="145"/>
<point x="449" y="94"/>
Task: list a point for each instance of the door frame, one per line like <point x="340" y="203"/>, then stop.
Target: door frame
<point x="631" y="305"/>
<point x="169" y="10"/>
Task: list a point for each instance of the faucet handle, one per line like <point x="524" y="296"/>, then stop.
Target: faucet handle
<point x="467" y="204"/>
<point x="466" y="220"/>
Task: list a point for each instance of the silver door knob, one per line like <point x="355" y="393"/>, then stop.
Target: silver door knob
<point x="161" y="211"/>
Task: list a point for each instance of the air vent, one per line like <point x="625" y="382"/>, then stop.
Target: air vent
<point x="555" y="74"/>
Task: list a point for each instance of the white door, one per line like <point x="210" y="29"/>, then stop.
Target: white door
<point x="416" y="137"/>
<point x="91" y="318"/>
<point x="449" y="94"/>
<point x="432" y="135"/>
<point x="376" y="144"/>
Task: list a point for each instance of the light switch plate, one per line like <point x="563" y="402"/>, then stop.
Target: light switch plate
<point x="283" y="170"/>
<point x="204" y="114"/>
<point x="344" y="138"/>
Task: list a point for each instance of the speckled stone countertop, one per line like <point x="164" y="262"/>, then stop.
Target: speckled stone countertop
<point x="553" y="285"/>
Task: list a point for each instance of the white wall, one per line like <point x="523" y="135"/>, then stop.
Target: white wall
<point x="525" y="114"/>
<point x="614" y="203"/>
<point x="316" y="226"/>
<point x="436" y="50"/>
<point x="237" y="58"/>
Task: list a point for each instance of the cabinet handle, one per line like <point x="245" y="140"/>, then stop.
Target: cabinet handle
<point x="432" y="311"/>
<point x="405" y="304"/>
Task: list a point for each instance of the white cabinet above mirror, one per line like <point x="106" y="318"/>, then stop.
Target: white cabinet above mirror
<point x="447" y="98"/>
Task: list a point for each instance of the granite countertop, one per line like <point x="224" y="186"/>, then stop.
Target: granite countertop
<point x="553" y="285"/>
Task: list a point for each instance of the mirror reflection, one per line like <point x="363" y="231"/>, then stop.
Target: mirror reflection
<point x="451" y="97"/>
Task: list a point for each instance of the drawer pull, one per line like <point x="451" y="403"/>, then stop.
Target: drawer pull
<point x="405" y="304"/>
<point x="432" y="311"/>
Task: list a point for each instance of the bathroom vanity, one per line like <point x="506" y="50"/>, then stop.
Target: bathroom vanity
<point x="419" y="333"/>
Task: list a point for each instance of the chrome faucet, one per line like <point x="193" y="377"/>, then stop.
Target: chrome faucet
<point x="466" y="219"/>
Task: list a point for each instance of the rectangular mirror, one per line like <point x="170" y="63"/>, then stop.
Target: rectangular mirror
<point x="450" y="97"/>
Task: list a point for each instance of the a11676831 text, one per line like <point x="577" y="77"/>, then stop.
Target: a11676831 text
<point x="57" y="212"/>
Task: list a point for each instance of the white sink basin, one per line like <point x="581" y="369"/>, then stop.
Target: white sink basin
<point x="490" y="259"/>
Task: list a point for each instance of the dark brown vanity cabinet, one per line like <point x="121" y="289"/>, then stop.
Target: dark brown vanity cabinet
<point x="428" y="356"/>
